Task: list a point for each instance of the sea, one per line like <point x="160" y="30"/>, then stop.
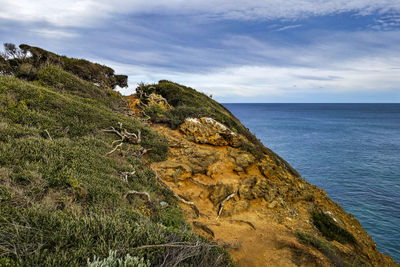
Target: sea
<point x="352" y="151"/>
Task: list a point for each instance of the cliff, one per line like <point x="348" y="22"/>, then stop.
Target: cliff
<point x="164" y="177"/>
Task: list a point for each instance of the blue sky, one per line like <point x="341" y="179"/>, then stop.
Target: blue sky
<point x="238" y="51"/>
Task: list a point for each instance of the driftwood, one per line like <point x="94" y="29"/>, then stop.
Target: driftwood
<point x="133" y="192"/>
<point x="221" y="206"/>
<point x="203" y="227"/>
<point x="181" y="199"/>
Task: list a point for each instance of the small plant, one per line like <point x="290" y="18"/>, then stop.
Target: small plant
<point x="113" y="261"/>
<point x="330" y="229"/>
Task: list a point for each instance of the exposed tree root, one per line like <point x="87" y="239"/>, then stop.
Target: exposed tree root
<point x="243" y="221"/>
<point x="137" y="193"/>
<point x="203" y="227"/>
<point x="221" y="206"/>
<point x="194" y="207"/>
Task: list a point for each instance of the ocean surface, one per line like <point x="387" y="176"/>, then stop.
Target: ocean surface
<point x="352" y="151"/>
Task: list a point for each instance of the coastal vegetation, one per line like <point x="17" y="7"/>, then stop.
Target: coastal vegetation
<point x="67" y="176"/>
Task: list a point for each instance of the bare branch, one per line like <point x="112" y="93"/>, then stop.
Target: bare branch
<point x="221" y="206"/>
<point x="115" y="148"/>
<point x="125" y="175"/>
<point x="179" y="245"/>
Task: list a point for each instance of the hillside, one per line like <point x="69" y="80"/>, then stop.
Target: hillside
<point x="165" y="177"/>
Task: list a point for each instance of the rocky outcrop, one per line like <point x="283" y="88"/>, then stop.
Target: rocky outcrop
<point x="157" y="100"/>
<point x="256" y="204"/>
<point x="209" y="131"/>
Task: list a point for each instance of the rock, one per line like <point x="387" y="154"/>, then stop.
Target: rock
<point x="199" y="159"/>
<point x="134" y="104"/>
<point x="257" y="187"/>
<point x="208" y="131"/>
<point x="241" y="206"/>
<point x="241" y="159"/>
<point x="219" y="192"/>
<point x="273" y="204"/>
<point x="158" y="100"/>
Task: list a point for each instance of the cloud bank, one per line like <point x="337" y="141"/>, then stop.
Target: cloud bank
<point x="88" y="13"/>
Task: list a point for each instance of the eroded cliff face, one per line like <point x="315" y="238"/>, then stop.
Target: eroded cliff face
<point x="255" y="206"/>
<point x="242" y="195"/>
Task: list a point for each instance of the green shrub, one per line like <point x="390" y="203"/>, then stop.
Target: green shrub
<point x="62" y="201"/>
<point x="330" y="229"/>
<point x="328" y="250"/>
<point x="113" y="261"/>
<point x="56" y="77"/>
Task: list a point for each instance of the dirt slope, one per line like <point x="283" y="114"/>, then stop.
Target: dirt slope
<point x="259" y="208"/>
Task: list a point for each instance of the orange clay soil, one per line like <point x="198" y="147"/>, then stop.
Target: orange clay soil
<point x="264" y="206"/>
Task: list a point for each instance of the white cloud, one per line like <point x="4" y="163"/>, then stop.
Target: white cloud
<point x="86" y="13"/>
<point x="364" y="75"/>
<point x="289" y="27"/>
<point x="54" y="33"/>
<point x="366" y="62"/>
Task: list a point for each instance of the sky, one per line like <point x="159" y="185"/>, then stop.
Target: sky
<point x="270" y="51"/>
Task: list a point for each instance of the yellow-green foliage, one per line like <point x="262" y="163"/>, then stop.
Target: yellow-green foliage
<point x="61" y="193"/>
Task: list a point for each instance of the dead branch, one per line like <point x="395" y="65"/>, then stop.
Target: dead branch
<point x="134" y="138"/>
<point x="179" y="245"/>
<point x="243" y="221"/>
<point x="138" y="193"/>
<point x="124" y="136"/>
<point x="221" y="206"/>
<point x="203" y="227"/>
<point x="194" y="207"/>
<point x="125" y="175"/>
<point x="115" y="148"/>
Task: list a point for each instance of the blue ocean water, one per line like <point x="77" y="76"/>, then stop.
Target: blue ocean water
<point x="350" y="150"/>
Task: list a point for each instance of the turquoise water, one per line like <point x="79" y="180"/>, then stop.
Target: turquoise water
<point x="350" y="150"/>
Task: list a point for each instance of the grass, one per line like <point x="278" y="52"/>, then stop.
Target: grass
<point x="61" y="193"/>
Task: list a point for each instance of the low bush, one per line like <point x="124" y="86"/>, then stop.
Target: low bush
<point x="62" y="191"/>
<point x="330" y="229"/>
